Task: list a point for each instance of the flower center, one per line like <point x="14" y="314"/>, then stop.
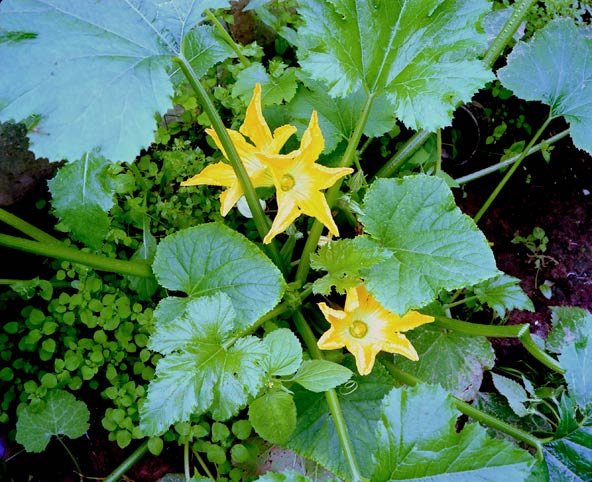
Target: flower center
<point x="358" y="329"/>
<point x="287" y="182"/>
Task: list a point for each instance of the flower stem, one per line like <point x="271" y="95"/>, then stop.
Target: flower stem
<point x="229" y="40"/>
<point x="522" y="332"/>
<point x="26" y="228"/>
<point x="473" y="412"/>
<point x="259" y="218"/>
<point x="507" y="32"/>
<point x="347" y="160"/>
<point x="128" y="463"/>
<point x="512" y="160"/>
<point x="61" y="251"/>
<point x="331" y="395"/>
<point x="511" y="171"/>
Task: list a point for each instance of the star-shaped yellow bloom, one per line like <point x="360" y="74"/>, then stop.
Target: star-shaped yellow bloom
<point x="365" y="328"/>
<point x="298" y="180"/>
<point x="254" y="128"/>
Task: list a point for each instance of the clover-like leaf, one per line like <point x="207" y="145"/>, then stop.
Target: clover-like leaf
<point x="273" y="416"/>
<point x="544" y="69"/>
<point x="434" y="246"/>
<point x="418" y="441"/>
<point x="61" y="415"/>
<point x="285" y="352"/>
<point x="421" y="53"/>
<point x="503" y="293"/>
<point x="82" y="194"/>
<point x="448" y="358"/>
<point x="199" y="371"/>
<point x="212" y="257"/>
<point x="96" y="72"/>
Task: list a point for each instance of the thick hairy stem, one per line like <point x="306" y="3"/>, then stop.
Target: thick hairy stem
<point x="26" y="228"/>
<point x="128" y="463"/>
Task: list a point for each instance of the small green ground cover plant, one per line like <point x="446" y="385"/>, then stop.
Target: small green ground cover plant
<point x="222" y="320"/>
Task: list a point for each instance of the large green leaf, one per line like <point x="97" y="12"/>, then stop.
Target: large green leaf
<point x="421" y="53"/>
<point x="82" y="194"/>
<point x="62" y="414"/>
<point x="570" y="458"/>
<point x="434" y="245"/>
<point x="203" y="368"/>
<point x="571" y="336"/>
<point x="211" y="258"/>
<point x="315" y="436"/>
<point x="418" y="441"/>
<point x="338" y="117"/>
<point x="96" y="72"/>
<point x="555" y="67"/>
<point x="448" y="358"/>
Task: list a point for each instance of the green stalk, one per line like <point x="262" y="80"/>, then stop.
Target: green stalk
<point x="26" y="228"/>
<point x="261" y="221"/>
<point x="229" y="40"/>
<point x="78" y="469"/>
<point x="128" y="463"/>
<point x="332" y="400"/>
<point x="332" y="193"/>
<point x="473" y="412"/>
<point x="438" y="152"/>
<point x="186" y="461"/>
<point x="508" y="30"/>
<point x="493" y="52"/>
<point x="61" y="251"/>
<point x="511" y="171"/>
<point x="508" y="162"/>
<point x="522" y="332"/>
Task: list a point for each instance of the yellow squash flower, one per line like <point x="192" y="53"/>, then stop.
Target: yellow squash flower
<point x="254" y="128"/>
<point x="299" y="179"/>
<point x="365" y="328"/>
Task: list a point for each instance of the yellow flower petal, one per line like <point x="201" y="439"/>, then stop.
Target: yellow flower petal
<point x="298" y="180"/>
<point x="261" y="141"/>
<point x="365" y="328"/>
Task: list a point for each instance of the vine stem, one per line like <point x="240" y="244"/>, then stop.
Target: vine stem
<point x="511" y="171"/>
<point x="259" y="218"/>
<point x="128" y="463"/>
<point x="522" y="332"/>
<point x="61" y="251"/>
<point x="26" y="228"/>
<point x="508" y="162"/>
<point x="227" y="38"/>
<point x="473" y="412"/>
<point x="186" y="461"/>
<point x="347" y="160"/>
<point x="493" y="52"/>
<point x="331" y="396"/>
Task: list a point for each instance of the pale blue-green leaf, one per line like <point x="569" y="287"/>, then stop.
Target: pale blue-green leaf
<point x="512" y="392"/>
<point x="214" y="258"/>
<point x="435" y="247"/>
<point x="576" y="359"/>
<point x="407" y="49"/>
<point x="62" y="414"/>
<point x="544" y="69"/>
<point x="82" y="193"/>
<point x="321" y="375"/>
<point x="203" y="47"/>
<point x="315" y="436"/>
<point x="570" y="324"/>
<point x="448" y="358"/>
<point x="338" y="116"/>
<point x="287" y="476"/>
<point x="570" y="458"/>
<point x="274" y="89"/>
<point x="285" y="352"/>
<point x="273" y="416"/>
<point x="503" y="293"/>
<point x="418" y="441"/>
<point x="96" y="72"/>
<point x="199" y="372"/>
<point x="347" y="262"/>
